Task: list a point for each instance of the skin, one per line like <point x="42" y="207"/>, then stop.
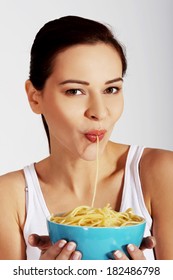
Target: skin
<point x="71" y="109"/>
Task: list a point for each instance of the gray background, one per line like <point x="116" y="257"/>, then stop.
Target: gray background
<point x="144" y="26"/>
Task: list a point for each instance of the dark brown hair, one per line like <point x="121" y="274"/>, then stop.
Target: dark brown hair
<point x="60" y="34"/>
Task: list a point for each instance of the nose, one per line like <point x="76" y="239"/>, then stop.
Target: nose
<point x="96" y="109"/>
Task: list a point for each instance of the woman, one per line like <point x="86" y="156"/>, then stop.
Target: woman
<point x="75" y="83"/>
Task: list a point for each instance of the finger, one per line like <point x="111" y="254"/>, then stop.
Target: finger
<point x="53" y="251"/>
<point x="135" y="253"/>
<point x="67" y="251"/>
<point x="42" y="242"/>
<point x="148" y="242"/>
<point x="76" y="255"/>
<point x="118" y="255"/>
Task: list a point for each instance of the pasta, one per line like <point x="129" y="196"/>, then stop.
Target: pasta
<point x="97" y="171"/>
<point x="97" y="217"/>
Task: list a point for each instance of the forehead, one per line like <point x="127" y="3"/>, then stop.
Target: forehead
<point x="84" y="59"/>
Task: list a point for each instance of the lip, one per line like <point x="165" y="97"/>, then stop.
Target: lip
<point x="92" y="135"/>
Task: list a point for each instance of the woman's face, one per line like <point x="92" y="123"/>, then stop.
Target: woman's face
<point x="82" y="99"/>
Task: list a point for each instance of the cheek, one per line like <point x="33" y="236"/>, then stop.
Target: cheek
<point x="57" y="120"/>
<point x="61" y="119"/>
<point x="117" y="109"/>
<point x="120" y="109"/>
<point x="54" y="116"/>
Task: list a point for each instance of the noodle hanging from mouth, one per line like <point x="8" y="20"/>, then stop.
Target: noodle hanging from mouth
<point x="97" y="217"/>
<point x="97" y="171"/>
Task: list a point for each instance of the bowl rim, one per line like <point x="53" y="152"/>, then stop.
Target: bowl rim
<point x="94" y="228"/>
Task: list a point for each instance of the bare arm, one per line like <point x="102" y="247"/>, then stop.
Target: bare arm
<point x="12" y="214"/>
<point x="157" y="180"/>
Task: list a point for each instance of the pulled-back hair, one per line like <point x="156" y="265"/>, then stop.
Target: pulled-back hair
<point x="59" y="34"/>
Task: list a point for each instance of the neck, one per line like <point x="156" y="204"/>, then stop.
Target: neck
<point x="75" y="178"/>
<point x="71" y="171"/>
<point x="76" y="174"/>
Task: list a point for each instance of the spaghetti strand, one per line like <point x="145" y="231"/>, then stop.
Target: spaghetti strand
<point x="97" y="171"/>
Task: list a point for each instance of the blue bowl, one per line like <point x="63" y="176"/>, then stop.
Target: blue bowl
<point x="97" y="243"/>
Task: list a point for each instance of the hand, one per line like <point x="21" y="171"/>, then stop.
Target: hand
<point x="135" y="252"/>
<point x="61" y="250"/>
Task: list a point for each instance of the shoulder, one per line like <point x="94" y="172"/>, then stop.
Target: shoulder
<point x="12" y="181"/>
<point x="12" y="192"/>
<point x="157" y="162"/>
<point x="156" y="173"/>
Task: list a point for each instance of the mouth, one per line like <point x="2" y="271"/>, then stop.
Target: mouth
<point x="93" y="134"/>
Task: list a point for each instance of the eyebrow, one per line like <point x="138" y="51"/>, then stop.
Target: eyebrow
<point x="114" y="80"/>
<point x="86" y="83"/>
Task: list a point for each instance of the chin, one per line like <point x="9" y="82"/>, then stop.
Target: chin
<point x="88" y="158"/>
<point x="90" y="154"/>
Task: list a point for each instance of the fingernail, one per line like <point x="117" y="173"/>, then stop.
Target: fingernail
<point x="31" y="239"/>
<point x="153" y="241"/>
<point x="118" y="254"/>
<point x="76" y="256"/>
<point x="71" y="246"/>
<point x="131" y="247"/>
<point x="62" y="243"/>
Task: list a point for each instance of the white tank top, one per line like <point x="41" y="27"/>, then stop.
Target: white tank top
<point x="37" y="210"/>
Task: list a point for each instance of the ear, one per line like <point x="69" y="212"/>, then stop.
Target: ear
<point x="34" y="97"/>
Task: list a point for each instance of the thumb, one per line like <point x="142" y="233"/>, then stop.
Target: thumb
<point x="42" y="242"/>
<point x="148" y="242"/>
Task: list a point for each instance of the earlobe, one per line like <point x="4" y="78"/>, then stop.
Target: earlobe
<point x="34" y="97"/>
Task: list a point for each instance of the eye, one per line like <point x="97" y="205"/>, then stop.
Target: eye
<point x="112" y="90"/>
<point x="73" y="92"/>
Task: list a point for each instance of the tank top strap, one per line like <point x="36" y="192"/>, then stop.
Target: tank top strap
<point x="36" y="210"/>
<point x="132" y="192"/>
<point x="33" y="190"/>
